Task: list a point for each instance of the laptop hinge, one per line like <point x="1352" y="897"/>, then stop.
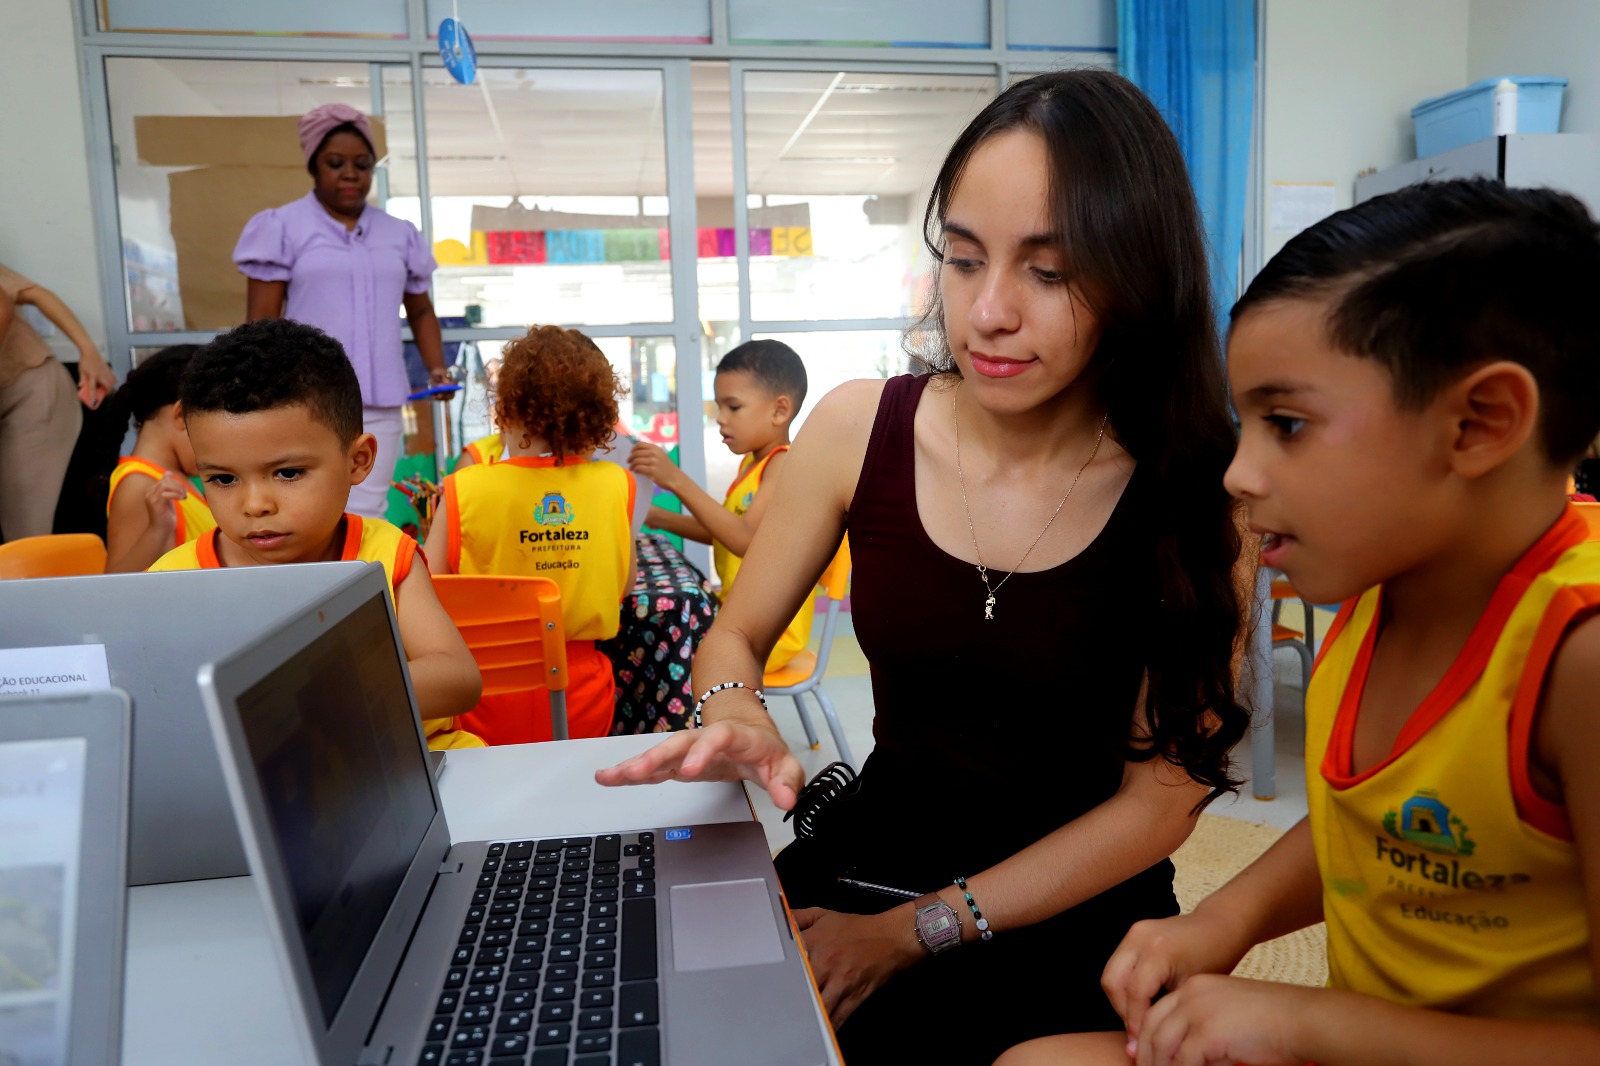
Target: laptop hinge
<point x="450" y="867"/>
<point x="375" y="1055"/>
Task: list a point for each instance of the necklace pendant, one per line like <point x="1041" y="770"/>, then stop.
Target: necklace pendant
<point x="988" y="609"/>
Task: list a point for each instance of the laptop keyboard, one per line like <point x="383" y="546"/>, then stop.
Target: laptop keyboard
<point x="556" y="963"/>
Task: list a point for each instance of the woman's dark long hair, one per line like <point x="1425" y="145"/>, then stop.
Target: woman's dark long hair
<point x="1125" y="215"/>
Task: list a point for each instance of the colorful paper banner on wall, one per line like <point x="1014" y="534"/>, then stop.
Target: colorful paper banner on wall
<point x="513" y="247"/>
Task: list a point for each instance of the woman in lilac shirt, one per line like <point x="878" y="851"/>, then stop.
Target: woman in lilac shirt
<point x="332" y="261"/>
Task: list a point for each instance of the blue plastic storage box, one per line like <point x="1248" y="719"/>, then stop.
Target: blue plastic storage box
<point x="1467" y="115"/>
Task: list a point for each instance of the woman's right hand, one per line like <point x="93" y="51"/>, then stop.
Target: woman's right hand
<point x="1158" y="955"/>
<point x="722" y="751"/>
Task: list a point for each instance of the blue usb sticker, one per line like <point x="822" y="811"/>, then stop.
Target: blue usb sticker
<point x="679" y="834"/>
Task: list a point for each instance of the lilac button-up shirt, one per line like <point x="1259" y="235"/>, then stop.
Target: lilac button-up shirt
<point x="347" y="283"/>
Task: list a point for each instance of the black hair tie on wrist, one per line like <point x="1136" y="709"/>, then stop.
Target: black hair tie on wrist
<point x="836" y="780"/>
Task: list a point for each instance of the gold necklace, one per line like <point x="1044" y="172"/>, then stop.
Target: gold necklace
<point x="983" y="571"/>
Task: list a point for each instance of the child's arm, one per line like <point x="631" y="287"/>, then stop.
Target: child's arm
<point x="684" y="525"/>
<point x="732" y="531"/>
<point x="1275" y="895"/>
<point x="142" y="523"/>
<point x="1226" y="1019"/>
<point x="445" y="678"/>
<point x="437" y="548"/>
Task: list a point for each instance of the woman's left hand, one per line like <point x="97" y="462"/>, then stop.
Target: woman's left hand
<point x="852" y="955"/>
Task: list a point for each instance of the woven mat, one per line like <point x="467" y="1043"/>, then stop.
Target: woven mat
<point x="1220" y="847"/>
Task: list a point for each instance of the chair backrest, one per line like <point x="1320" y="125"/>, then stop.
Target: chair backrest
<point x="835" y="584"/>
<point x="1591" y="515"/>
<point x="56" y="555"/>
<point x="512" y="626"/>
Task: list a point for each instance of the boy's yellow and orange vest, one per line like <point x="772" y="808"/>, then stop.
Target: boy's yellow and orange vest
<point x="194" y="517"/>
<point x="367" y="540"/>
<point x="1448" y="883"/>
<point x="740" y="494"/>
<point x="568" y="521"/>
<point x="487" y="450"/>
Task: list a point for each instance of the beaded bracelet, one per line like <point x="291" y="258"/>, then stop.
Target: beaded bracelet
<point x="982" y="923"/>
<point x="714" y="689"/>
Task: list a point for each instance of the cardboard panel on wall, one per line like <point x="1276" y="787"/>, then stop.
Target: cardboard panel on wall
<point x="242" y="165"/>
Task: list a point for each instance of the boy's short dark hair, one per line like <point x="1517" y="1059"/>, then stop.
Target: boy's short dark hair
<point x="1436" y="279"/>
<point x="774" y="364"/>
<point x="274" y="363"/>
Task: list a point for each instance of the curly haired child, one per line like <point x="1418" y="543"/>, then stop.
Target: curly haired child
<point x="549" y="509"/>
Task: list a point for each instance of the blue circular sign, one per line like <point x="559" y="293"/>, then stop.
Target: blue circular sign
<point x="455" y="48"/>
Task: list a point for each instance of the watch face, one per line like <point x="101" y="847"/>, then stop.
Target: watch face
<point x="938" y="927"/>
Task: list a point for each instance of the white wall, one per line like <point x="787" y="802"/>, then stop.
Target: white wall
<point x="46" y="220"/>
<point x="1558" y="37"/>
<point x="1341" y="79"/>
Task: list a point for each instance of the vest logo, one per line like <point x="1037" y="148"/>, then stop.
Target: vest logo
<point x="1425" y="821"/>
<point x="552" y="510"/>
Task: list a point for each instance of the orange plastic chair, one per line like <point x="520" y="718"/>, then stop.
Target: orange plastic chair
<point x="803" y="673"/>
<point x="55" y="555"/>
<point x="514" y="629"/>
<point x="1591" y="515"/>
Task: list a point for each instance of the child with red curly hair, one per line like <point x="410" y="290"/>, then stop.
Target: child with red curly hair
<point x="551" y="510"/>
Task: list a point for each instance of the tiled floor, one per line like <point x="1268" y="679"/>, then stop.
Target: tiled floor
<point x="851" y="690"/>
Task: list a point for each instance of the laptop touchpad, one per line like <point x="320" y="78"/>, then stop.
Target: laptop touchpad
<point x="722" y="924"/>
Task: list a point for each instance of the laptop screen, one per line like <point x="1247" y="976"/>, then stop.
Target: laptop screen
<point x="346" y="786"/>
<point x="41" y="818"/>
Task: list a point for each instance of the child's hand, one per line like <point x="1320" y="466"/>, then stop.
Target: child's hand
<point x="1161" y="955"/>
<point x="158" y="501"/>
<point x="651" y="461"/>
<point x="1218" y="1021"/>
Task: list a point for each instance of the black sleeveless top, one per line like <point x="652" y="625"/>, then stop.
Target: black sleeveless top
<point x="990" y="736"/>
<point x="1020" y="721"/>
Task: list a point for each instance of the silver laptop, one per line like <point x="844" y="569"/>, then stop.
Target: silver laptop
<point x="63" y="826"/>
<point x="150" y="633"/>
<point x="669" y="945"/>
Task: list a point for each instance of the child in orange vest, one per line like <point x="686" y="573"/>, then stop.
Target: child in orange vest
<point x="274" y="413"/>
<point x="1414" y="377"/>
<point x="548" y="510"/>
<point x="760" y="386"/>
<point x="151" y="508"/>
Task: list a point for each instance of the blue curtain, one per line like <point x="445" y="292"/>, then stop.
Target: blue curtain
<point x="1197" y="60"/>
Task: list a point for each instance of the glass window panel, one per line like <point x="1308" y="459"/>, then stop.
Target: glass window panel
<point x="548" y="190"/>
<point x="1062" y="25"/>
<point x="653" y="21"/>
<point x="201" y="145"/>
<point x="930" y="23"/>
<point x="839" y="166"/>
<point x="718" y="274"/>
<point x="347" y="18"/>
<point x="832" y="357"/>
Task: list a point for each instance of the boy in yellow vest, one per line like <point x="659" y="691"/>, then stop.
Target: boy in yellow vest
<point x="760" y="386"/>
<point x="1414" y="378"/>
<point x="274" y="414"/>
<point x="151" y="508"/>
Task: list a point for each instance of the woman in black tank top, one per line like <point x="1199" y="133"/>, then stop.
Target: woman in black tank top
<point x="1043" y="587"/>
